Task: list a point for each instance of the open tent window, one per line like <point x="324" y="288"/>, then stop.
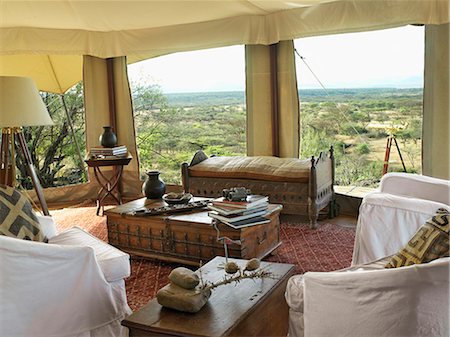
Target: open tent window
<point x="357" y="91"/>
<point x="186" y="102"/>
<point x="58" y="150"/>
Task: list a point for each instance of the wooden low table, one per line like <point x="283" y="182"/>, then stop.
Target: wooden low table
<point x="187" y="237"/>
<point x="250" y="308"/>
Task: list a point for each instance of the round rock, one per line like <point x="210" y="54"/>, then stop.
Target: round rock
<point x="184" y="278"/>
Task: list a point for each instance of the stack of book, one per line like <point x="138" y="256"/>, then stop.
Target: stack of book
<point x="117" y="151"/>
<point x="239" y="214"/>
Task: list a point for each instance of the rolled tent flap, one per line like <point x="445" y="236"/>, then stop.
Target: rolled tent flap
<point x="270" y="94"/>
<point x="98" y="113"/>
<point x="436" y="103"/>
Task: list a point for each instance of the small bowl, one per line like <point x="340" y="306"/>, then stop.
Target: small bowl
<point x="177" y="198"/>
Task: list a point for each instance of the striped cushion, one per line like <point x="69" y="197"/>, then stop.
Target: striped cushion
<point x="17" y="218"/>
<point x="430" y="242"/>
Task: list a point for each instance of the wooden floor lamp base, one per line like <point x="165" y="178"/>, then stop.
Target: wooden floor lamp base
<point x="10" y="138"/>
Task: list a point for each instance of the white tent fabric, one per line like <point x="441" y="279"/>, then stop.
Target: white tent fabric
<point x="118" y="28"/>
<point x="52" y="73"/>
<point x="144" y="29"/>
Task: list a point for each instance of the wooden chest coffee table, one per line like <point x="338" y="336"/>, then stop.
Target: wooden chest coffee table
<point x="250" y="308"/>
<point x="187" y="237"/>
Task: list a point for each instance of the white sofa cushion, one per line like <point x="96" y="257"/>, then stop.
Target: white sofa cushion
<point x="48" y="226"/>
<point x="114" y="263"/>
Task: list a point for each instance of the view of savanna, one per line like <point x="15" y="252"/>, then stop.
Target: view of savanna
<point x="356" y="122"/>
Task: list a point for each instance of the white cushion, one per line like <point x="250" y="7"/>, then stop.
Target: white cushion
<point x="48" y="226"/>
<point x="114" y="263"/>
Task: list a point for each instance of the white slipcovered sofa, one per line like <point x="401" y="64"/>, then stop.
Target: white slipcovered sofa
<point x="391" y="215"/>
<point x="72" y="286"/>
<point x="367" y="299"/>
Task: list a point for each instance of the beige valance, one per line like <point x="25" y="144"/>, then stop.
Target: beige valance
<point x="143" y="29"/>
<point x="46" y="39"/>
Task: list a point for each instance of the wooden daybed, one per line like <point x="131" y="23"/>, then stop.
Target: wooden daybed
<point x="302" y="186"/>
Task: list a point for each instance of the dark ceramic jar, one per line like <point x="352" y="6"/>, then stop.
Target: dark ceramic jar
<point x="108" y="138"/>
<point x="154" y="187"/>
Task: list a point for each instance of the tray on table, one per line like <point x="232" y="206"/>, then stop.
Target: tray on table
<point x="169" y="209"/>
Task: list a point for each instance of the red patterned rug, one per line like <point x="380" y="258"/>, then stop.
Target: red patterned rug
<point x="329" y="247"/>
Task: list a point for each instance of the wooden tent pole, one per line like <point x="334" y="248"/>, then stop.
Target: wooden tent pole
<point x="274" y="99"/>
<point x="111" y="93"/>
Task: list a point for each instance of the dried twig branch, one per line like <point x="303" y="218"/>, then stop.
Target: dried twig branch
<point x="242" y="275"/>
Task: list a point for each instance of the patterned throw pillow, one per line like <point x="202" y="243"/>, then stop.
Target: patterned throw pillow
<point x="17" y="218"/>
<point x="430" y="242"/>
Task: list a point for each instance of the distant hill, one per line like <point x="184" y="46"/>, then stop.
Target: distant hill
<point x="306" y="95"/>
<point x="206" y="98"/>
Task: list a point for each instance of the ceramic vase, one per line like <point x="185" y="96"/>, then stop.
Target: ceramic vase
<point x="108" y="138"/>
<point x="154" y="187"/>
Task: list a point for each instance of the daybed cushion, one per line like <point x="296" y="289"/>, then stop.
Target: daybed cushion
<point x="17" y="218"/>
<point x="256" y="168"/>
<point x="430" y="242"/>
<point x="114" y="263"/>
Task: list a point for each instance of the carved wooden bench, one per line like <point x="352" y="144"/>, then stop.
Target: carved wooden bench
<point x="302" y="186"/>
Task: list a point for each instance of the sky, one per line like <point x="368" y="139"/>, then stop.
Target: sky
<point x="383" y="58"/>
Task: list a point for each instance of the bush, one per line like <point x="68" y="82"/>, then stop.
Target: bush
<point x="362" y="148"/>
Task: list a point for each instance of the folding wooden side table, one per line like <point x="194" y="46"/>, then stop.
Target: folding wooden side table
<point x="108" y="185"/>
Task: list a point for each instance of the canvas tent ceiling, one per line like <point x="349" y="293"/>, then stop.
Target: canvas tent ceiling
<point x="45" y="39"/>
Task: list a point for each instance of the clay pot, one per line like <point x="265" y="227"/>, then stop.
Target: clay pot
<point x="108" y="138"/>
<point x="153" y="187"/>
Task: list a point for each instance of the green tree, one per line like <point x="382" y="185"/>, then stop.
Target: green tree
<point x="52" y="148"/>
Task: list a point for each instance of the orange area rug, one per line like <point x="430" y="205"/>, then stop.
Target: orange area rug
<point x="327" y="248"/>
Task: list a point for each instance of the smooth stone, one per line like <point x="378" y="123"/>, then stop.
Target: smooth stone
<point x="184" y="277"/>
<point x="186" y="300"/>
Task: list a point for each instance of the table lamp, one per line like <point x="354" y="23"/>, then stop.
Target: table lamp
<point x="20" y="105"/>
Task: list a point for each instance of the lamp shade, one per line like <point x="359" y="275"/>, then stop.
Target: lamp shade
<point x="21" y="104"/>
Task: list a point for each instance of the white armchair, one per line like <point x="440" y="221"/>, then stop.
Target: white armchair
<point x="371" y="301"/>
<point x="368" y="299"/>
<point x="72" y="286"/>
<point x="390" y="216"/>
